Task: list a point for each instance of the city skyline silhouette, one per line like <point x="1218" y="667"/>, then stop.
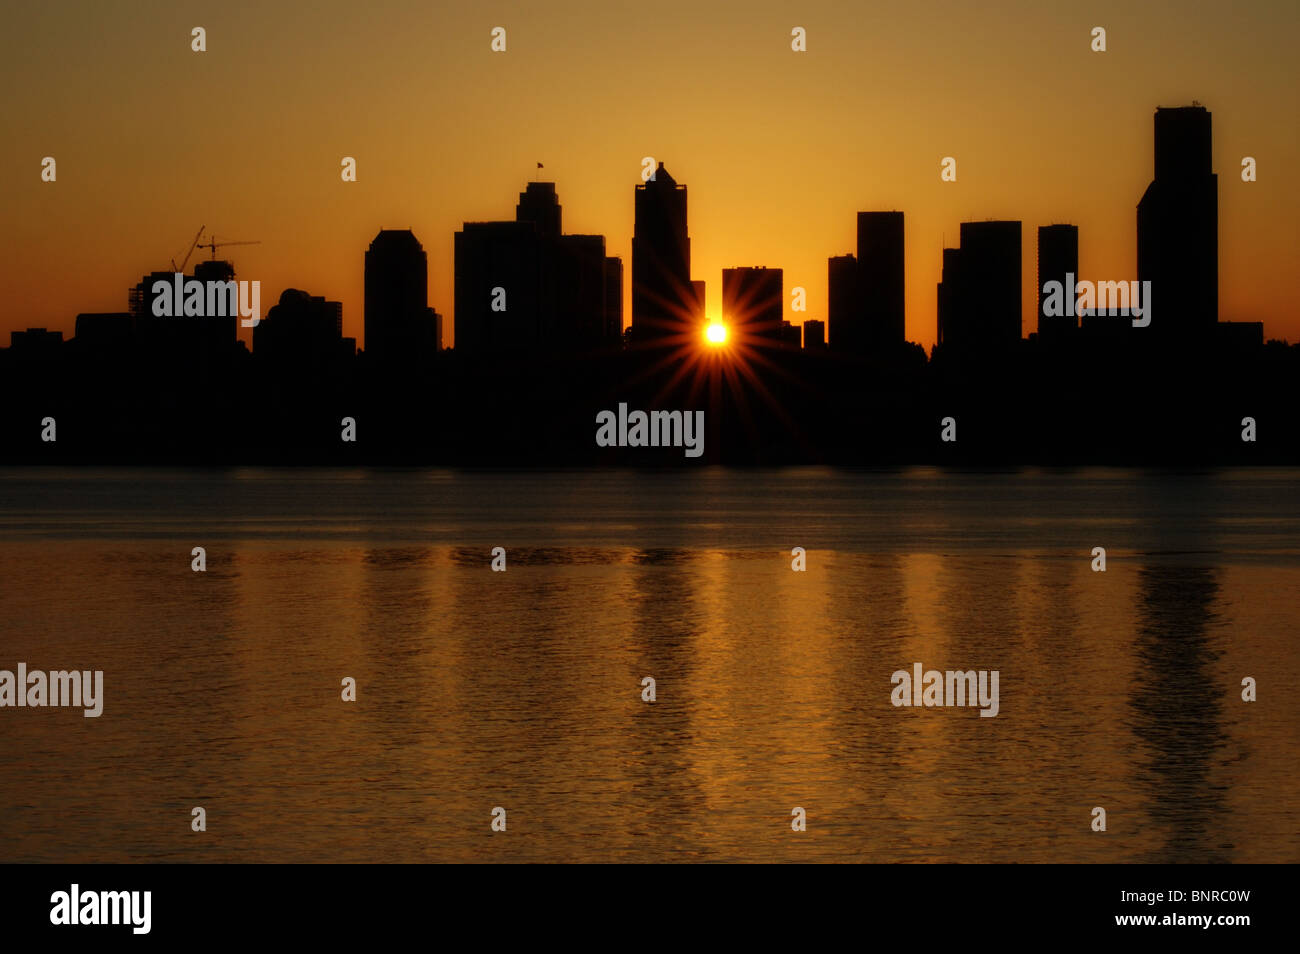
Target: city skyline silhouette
<point x="539" y="315"/>
<point x="775" y="144"/>
<point x="1176" y="238"/>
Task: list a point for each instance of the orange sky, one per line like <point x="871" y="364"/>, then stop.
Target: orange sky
<point x="778" y="149"/>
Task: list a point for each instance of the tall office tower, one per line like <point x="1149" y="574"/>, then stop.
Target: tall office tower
<point x="949" y="331"/>
<point x="540" y="204"/>
<point x="664" y="302"/>
<point x="400" y="332"/>
<point x="753" y="300"/>
<point x="844" y="326"/>
<point x="573" y="303"/>
<point x="499" y="286"/>
<point x="523" y="285"/>
<point x="1178" y="228"/>
<point x="881" y="280"/>
<point x="1058" y="256"/>
<point x="989" y="307"/>
<point x="221" y="333"/>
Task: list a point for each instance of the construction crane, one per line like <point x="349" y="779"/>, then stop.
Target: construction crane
<point x="193" y="245"/>
<point x="214" y="245"/>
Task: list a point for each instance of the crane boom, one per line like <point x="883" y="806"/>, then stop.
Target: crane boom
<point x="193" y="246"/>
<point x="214" y="245"/>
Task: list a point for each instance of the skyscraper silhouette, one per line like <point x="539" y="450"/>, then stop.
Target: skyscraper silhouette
<point x="540" y="204"/>
<point x="814" y="334"/>
<point x="524" y="285"/>
<point x="867" y="314"/>
<point x="400" y="328"/>
<point x="752" y="303"/>
<point x="843" y="314"/>
<point x="575" y="293"/>
<point x="498" y="287"/>
<point x="979" y="295"/>
<point x="790" y="336"/>
<point x="664" y="302"/>
<point x="881" y="280"/>
<point x="948" y="331"/>
<point x="1058" y="255"/>
<point x="1178" y="228"/>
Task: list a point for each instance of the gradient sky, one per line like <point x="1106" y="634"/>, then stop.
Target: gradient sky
<point x="778" y="149"/>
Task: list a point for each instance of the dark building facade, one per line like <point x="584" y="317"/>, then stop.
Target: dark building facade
<point x="209" y="329"/>
<point x="613" y="298"/>
<point x="301" y="333"/>
<point x="791" y="336"/>
<point x="814" y="334"/>
<point x="105" y="331"/>
<point x="400" y="329"/>
<point x="664" y="302"/>
<point x="435" y="321"/>
<point x="525" y="285"/>
<point x="573" y="309"/>
<point x="540" y="204"/>
<point x="753" y="300"/>
<point x="867" y="307"/>
<point x="881" y="280"/>
<point x="1058" y="256"/>
<point x="498" y="286"/>
<point x="979" y="294"/>
<point x="1178" y="228"/>
<point x="224" y="329"/>
<point x="949" y="279"/>
<point x="179" y="346"/>
<point x="843" y="318"/>
<point x="36" y="342"/>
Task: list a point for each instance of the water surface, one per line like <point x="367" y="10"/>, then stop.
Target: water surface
<point x="523" y="689"/>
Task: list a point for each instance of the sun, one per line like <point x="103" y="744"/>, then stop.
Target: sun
<point x="716" y="334"/>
